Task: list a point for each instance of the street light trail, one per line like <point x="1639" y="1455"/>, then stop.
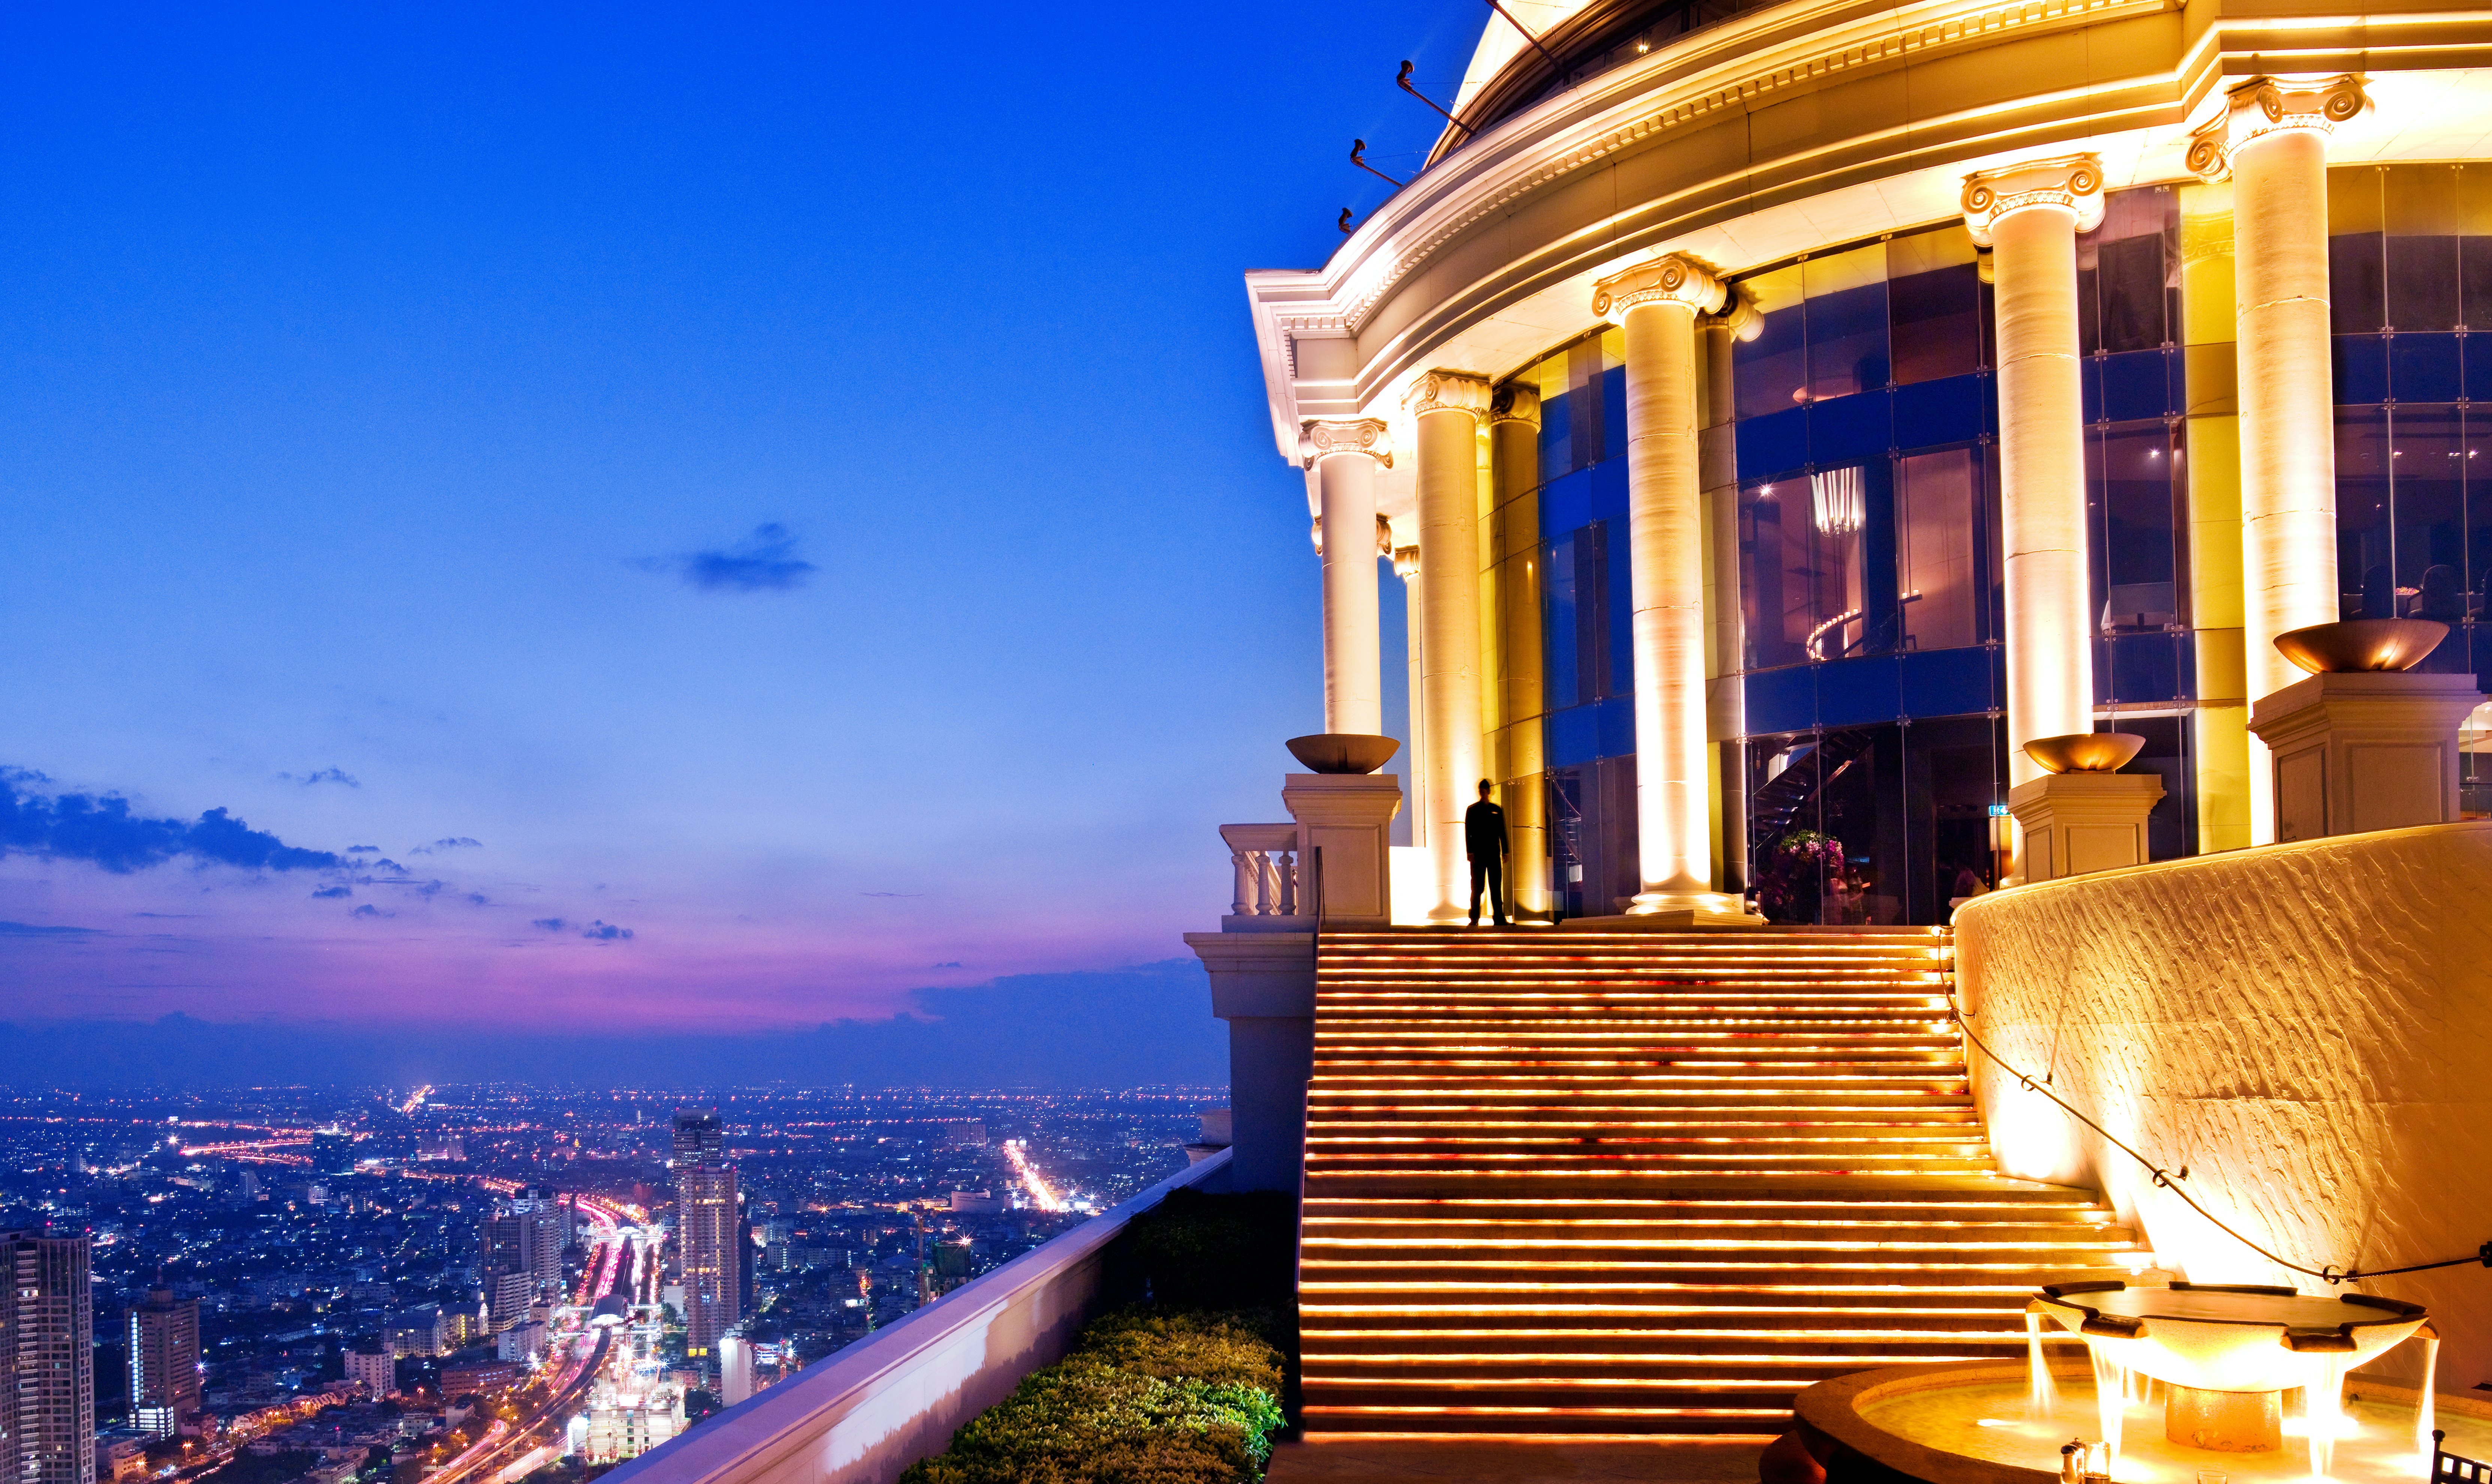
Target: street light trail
<point x="1041" y="1194"/>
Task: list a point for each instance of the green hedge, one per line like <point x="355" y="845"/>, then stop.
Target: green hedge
<point x="1147" y="1397"/>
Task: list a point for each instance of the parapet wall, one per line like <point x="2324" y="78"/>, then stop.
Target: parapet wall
<point x="2306" y="1028"/>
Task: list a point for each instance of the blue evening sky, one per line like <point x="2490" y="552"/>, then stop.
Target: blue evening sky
<point x="749" y="512"/>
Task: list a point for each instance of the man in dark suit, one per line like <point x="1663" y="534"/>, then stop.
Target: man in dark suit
<point x="1484" y="837"/>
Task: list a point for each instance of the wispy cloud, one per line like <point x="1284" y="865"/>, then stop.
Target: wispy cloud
<point x="323" y="776"/>
<point x="764" y="561"/>
<point x="370" y="910"/>
<point x="454" y="842"/>
<point x="605" y="933"/>
<point x="102" y="829"/>
<point x="331" y="893"/>
<point x="551" y="924"/>
<point x="33" y="930"/>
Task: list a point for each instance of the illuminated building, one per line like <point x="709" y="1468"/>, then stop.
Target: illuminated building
<point x="47" y="1349"/>
<point x="629" y="1416"/>
<point x="524" y="1235"/>
<point x="1798" y="431"/>
<point x="164" y="1361"/>
<point x="700" y="1139"/>
<point x="710" y="1228"/>
<point x="1786" y="485"/>
<point x="375" y="1371"/>
<point x="333" y="1152"/>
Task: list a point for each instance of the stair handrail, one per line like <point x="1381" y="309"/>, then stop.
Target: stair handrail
<point x="1316" y="912"/>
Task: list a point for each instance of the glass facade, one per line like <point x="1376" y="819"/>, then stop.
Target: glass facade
<point x="1869" y="783"/>
<point x="2409" y="264"/>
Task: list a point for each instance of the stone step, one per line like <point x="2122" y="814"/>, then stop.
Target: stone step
<point x="1753" y="1423"/>
<point x="1453" y="1340"/>
<point x="1963" y="1236"/>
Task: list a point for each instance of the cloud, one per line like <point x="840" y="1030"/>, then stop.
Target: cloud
<point x="333" y="892"/>
<point x="101" y="829"/>
<point x="603" y="932"/>
<point x="455" y="843"/>
<point x="955" y="963"/>
<point x="476" y="896"/>
<point x="370" y="910"/>
<point x="323" y="776"/>
<point x="551" y="924"/>
<point x="363" y="849"/>
<point x="891" y="894"/>
<point x="765" y="561"/>
<point x="31" y="930"/>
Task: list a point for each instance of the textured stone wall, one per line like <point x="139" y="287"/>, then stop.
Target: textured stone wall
<point x="2307" y="1027"/>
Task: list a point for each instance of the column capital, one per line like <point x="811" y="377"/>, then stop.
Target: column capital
<point x="1670" y="279"/>
<point x="1320" y="438"/>
<point x="1448" y="391"/>
<point x="1383" y="537"/>
<point x="1516" y="401"/>
<point x="2266" y="106"/>
<point x="1405" y="562"/>
<point x="2071" y="183"/>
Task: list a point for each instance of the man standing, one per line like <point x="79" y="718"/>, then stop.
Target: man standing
<point x="1484" y="838"/>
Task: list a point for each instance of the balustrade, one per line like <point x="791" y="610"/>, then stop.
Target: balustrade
<point x="1264" y="858"/>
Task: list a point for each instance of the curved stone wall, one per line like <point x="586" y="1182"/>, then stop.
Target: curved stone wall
<point x="2306" y="1028"/>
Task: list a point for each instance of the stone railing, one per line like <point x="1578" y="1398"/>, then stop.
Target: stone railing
<point x="1265" y="861"/>
<point x="898" y="1395"/>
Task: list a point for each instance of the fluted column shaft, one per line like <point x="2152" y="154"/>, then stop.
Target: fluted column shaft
<point x="2274" y="144"/>
<point x="2030" y="215"/>
<point x="1657" y="306"/>
<point x="1448" y="406"/>
<point x="1345" y="456"/>
<point x="1406" y="566"/>
<point x="1514" y="447"/>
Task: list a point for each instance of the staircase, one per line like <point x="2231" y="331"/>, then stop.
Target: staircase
<point x="1650" y="1184"/>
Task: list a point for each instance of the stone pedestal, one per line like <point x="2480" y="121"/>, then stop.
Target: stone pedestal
<point x="2074" y="823"/>
<point x="2224" y="1421"/>
<point x="1263" y="985"/>
<point x="1349" y="816"/>
<point x="2371" y="750"/>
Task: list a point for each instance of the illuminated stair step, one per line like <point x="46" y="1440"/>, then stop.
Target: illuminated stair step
<point x="1751" y="1424"/>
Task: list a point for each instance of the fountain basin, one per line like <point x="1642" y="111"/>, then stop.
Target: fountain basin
<point x="1971" y="1423"/>
<point x="2221" y="1338"/>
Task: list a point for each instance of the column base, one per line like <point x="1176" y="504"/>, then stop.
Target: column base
<point x="1692" y="911"/>
<point x="2224" y="1421"/>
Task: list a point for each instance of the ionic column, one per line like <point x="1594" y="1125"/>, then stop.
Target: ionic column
<point x="1345" y="456"/>
<point x="2271" y="138"/>
<point x="1448" y="406"/>
<point x="1406" y="566"/>
<point x="1656" y="304"/>
<point x="1514" y="454"/>
<point x="2030" y="215"/>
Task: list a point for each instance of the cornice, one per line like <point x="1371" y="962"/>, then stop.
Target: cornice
<point x="1789" y="51"/>
<point x="1730" y="65"/>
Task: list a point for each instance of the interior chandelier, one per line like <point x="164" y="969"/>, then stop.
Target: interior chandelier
<point x="1836" y="499"/>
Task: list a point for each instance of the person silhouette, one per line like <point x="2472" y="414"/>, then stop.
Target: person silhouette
<point x="1484" y="838"/>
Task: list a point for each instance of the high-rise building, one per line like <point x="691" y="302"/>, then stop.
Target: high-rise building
<point x="333" y="1151"/>
<point x="375" y="1370"/>
<point x="47" y="1352"/>
<point x="508" y="1296"/>
<point x="524" y="1235"/>
<point x="710" y="1231"/>
<point x="164" y="1363"/>
<point x="700" y="1139"/>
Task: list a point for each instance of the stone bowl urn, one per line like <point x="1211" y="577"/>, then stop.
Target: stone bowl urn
<point x="2361" y="644"/>
<point x="1343" y="752"/>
